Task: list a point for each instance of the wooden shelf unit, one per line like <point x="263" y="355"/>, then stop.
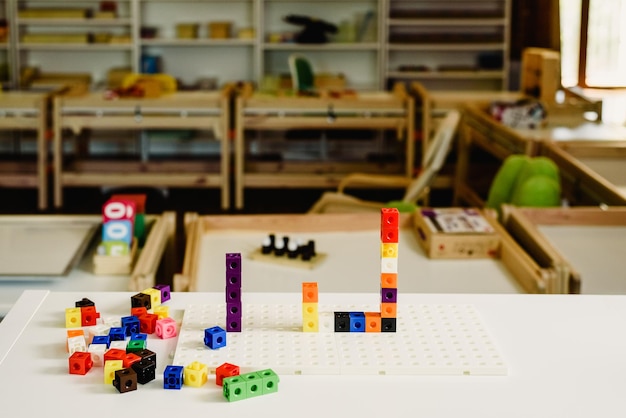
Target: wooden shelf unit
<point x="377" y="111"/>
<point x="207" y="111"/>
<point x="26" y="112"/>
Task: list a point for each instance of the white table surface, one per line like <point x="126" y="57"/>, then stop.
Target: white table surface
<point x="565" y="356"/>
<point x="352" y="265"/>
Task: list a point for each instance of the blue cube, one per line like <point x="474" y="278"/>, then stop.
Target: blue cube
<point x="139" y="336"/>
<point x="357" y="322"/>
<point x="215" y="337"/>
<point x="117" y="333"/>
<point x="173" y="377"/>
<point x="132" y="325"/>
<point x="102" y="339"/>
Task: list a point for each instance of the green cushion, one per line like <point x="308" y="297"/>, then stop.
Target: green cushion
<point x="525" y="181"/>
<point x="403" y="207"/>
<point x="503" y="183"/>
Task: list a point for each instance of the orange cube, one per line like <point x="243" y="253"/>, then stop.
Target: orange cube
<point x="388" y="310"/>
<point x="372" y="321"/>
<point x="389" y="280"/>
<point x="309" y="292"/>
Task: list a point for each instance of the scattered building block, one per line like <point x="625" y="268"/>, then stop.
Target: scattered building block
<point x="80" y="363"/>
<point x="225" y="370"/>
<point x="145" y="369"/>
<point x="125" y="380"/>
<point x="215" y="337"/>
<point x="110" y="366"/>
<point x="196" y="374"/>
<point x="166" y="328"/>
<point x="173" y="377"/>
<point x="73" y="318"/>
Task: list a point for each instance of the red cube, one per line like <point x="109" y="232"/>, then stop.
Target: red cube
<point x="389" y="218"/>
<point x="147" y="323"/>
<point x="80" y="363"/>
<point x="225" y="370"/>
<point x="88" y="316"/>
<point x="115" y="354"/>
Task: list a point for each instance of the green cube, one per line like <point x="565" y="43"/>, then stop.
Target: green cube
<point x="270" y="380"/>
<point x="254" y="384"/>
<point x="234" y="388"/>
<point x="134" y="346"/>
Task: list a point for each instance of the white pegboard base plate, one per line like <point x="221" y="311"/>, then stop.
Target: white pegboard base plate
<point x="430" y="340"/>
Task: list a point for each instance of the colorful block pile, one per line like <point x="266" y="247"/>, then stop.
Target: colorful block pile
<point x="118" y="346"/>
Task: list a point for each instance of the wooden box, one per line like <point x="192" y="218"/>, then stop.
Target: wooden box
<point x="219" y="30"/>
<point x="456" y="233"/>
<point x="584" y="245"/>
<point x="115" y="264"/>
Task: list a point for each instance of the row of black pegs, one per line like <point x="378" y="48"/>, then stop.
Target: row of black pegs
<point x="285" y="246"/>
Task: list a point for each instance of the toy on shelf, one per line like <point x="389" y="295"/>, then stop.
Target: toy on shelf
<point x="117" y="252"/>
<point x="287" y="251"/>
<point x="314" y="31"/>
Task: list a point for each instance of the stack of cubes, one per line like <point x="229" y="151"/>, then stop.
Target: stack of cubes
<point x="249" y="385"/>
<point x="118" y="217"/>
<point x="310" y="311"/>
<point x="139" y="200"/>
<point x="233" y="292"/>
<point x="385" y="320"/>
<point x="389" y="233"/>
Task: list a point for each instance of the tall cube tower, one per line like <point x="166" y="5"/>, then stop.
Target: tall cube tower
<point x="389" y="233"/>
<point x="233" y="292"/>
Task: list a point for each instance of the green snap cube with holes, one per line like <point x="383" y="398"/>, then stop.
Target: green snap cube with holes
<point x="270" y="380"/>
<point x="254" y="384"/>
<point x="135" y="346"/>
<point x="234" y="388"/>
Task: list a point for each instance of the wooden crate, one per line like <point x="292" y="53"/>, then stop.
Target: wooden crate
<point x="523" y="224"/>
<point x="513" y="270"/>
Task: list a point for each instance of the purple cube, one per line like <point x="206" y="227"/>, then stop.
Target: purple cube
<point x="233" y="323"/>
<point x="389" y="295"/>
<point x="165" y="292"/>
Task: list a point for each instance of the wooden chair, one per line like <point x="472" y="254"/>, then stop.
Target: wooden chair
<point x="416" y="189"/>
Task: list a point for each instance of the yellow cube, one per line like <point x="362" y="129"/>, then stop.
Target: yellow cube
<point x="110" y="367"/>
<point x="196" y="374"/>
<point x="73" y="318"/>
<point x="309" y="309"/>
<point x="162" y="311"/>
<point x="310" y="324"/>
<point x="155" y="296"/>
<point x="389" y="250"/>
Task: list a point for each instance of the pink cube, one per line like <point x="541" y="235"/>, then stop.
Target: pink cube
<point x="166" y="328"/>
